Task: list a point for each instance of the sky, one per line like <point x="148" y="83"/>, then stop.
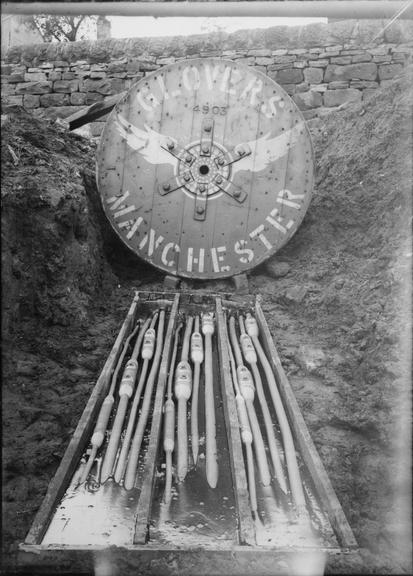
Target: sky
<point x="132" y="27"/>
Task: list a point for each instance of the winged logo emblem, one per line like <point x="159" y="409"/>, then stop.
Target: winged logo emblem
<point x="260" y="152"/>
<point x="152" y="145"/>
<point x="266" y="150"/>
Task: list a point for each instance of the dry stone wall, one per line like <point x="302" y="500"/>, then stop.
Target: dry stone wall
<point x="321" y="66"/>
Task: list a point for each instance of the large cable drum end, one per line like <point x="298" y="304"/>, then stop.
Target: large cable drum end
<point x="205" y="168"/>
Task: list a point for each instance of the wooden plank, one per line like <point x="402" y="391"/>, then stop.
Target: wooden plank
<point x="145" y="499"/>
<point x="131" y="560"/>
<point x="93" y="112"/>
<point x="302" y="436"/>
<point x="246" y="525"/>
<point x="80" y="437"/>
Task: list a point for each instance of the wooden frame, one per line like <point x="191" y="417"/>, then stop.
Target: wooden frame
<point x="142" y="556"/>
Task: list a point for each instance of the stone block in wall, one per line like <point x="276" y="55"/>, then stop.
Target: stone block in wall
<point x="308" y="100"/>
<point x="69" y="76"/>
<point x="275" y="67"/>
<point x="357" y="58"/>
<point x="341" y="60"/>
<point x="290" y="76"/>
<point x="318" y="63"/>
<point x="12" y="99"/>
<point x="65" y="86"/>
<point x="34" y="76"/>
<point x="78" y="98"/>
<point x="46" y="65"/>
<point x="382" y="59"/>
<point x="133" y="66"/>
<point x="247" y="60"/>
<point x="339" y="97"/>
<point x="362" y="71"/>
<point x="338" y="84"/>
<point x="34" y="88"/>
<point x="329" y="55"/>
<point x="382" y="49"/>
<point x="303" y="87"/>
<point x="401" y="57"/>
<point x="31" y="101"/>
<point x="6" y="69"/>
<point x="362" y="84"/>
<point x="284" y="59"/>
<point x="318" y="87"/>
<point x="147" y="66"/>
<point x="313" y="75"/>
<point x="47" y="100"/>
<point x="54" y="75"/>
<point x="106" y="86"/>
<point x="61" y="64"/>
<point x="7" y="89"/>
<point x="92" y="97"/>
<point x="280" y="52"/>
<point x="300" y="64"/>
<point x="15" y="78"/>
<point x="263" y="61"/>
<point x="98" y="67"/>
<point x="389" y="71"/>
<point x="117" y="65"/>
<point x="98" y="75"/>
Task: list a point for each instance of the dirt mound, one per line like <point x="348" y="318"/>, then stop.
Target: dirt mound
<point x="336" y="298"/>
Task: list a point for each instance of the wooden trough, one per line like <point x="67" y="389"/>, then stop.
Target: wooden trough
<point x="113" y="531"/>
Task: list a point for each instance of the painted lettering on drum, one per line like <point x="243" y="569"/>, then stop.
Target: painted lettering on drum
<point x="165" y="254"/>
<point x="198" y="260"/>
<point x="232" y="82"/>
<point x="246" y="255"/>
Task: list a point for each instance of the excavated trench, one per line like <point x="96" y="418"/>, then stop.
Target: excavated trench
<point x="336" y="299"/>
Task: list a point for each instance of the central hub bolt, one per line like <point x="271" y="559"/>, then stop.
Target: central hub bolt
<point x="188" y="158"/>
<point x="171" y="145"/>
<point x="205" y="149"/>
<point x="208" y="128"/>
<point x="187" y="177"/>
<point x="237" y="194"/>
<point x="166" y="187"/>
<point x="240" y="151"/>
<point x="218" y="179"/>
<point x="200" y="209"/>
<point x="202" y="188"/>
<point x="221" y="161"/>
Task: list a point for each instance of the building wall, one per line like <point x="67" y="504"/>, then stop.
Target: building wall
<point x="15" y="32"/>
<point x="322" y="66"/>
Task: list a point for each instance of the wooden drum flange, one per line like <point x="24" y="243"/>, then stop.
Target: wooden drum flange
<point x="205" y="168"/>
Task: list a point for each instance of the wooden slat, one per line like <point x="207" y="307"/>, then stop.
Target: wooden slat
<point x="93" y="112"/>
<point x="306" y="446"/>
<point x="246" y="525"/>
<point x="81" y="435"/>
<point x="145" y="499"/>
